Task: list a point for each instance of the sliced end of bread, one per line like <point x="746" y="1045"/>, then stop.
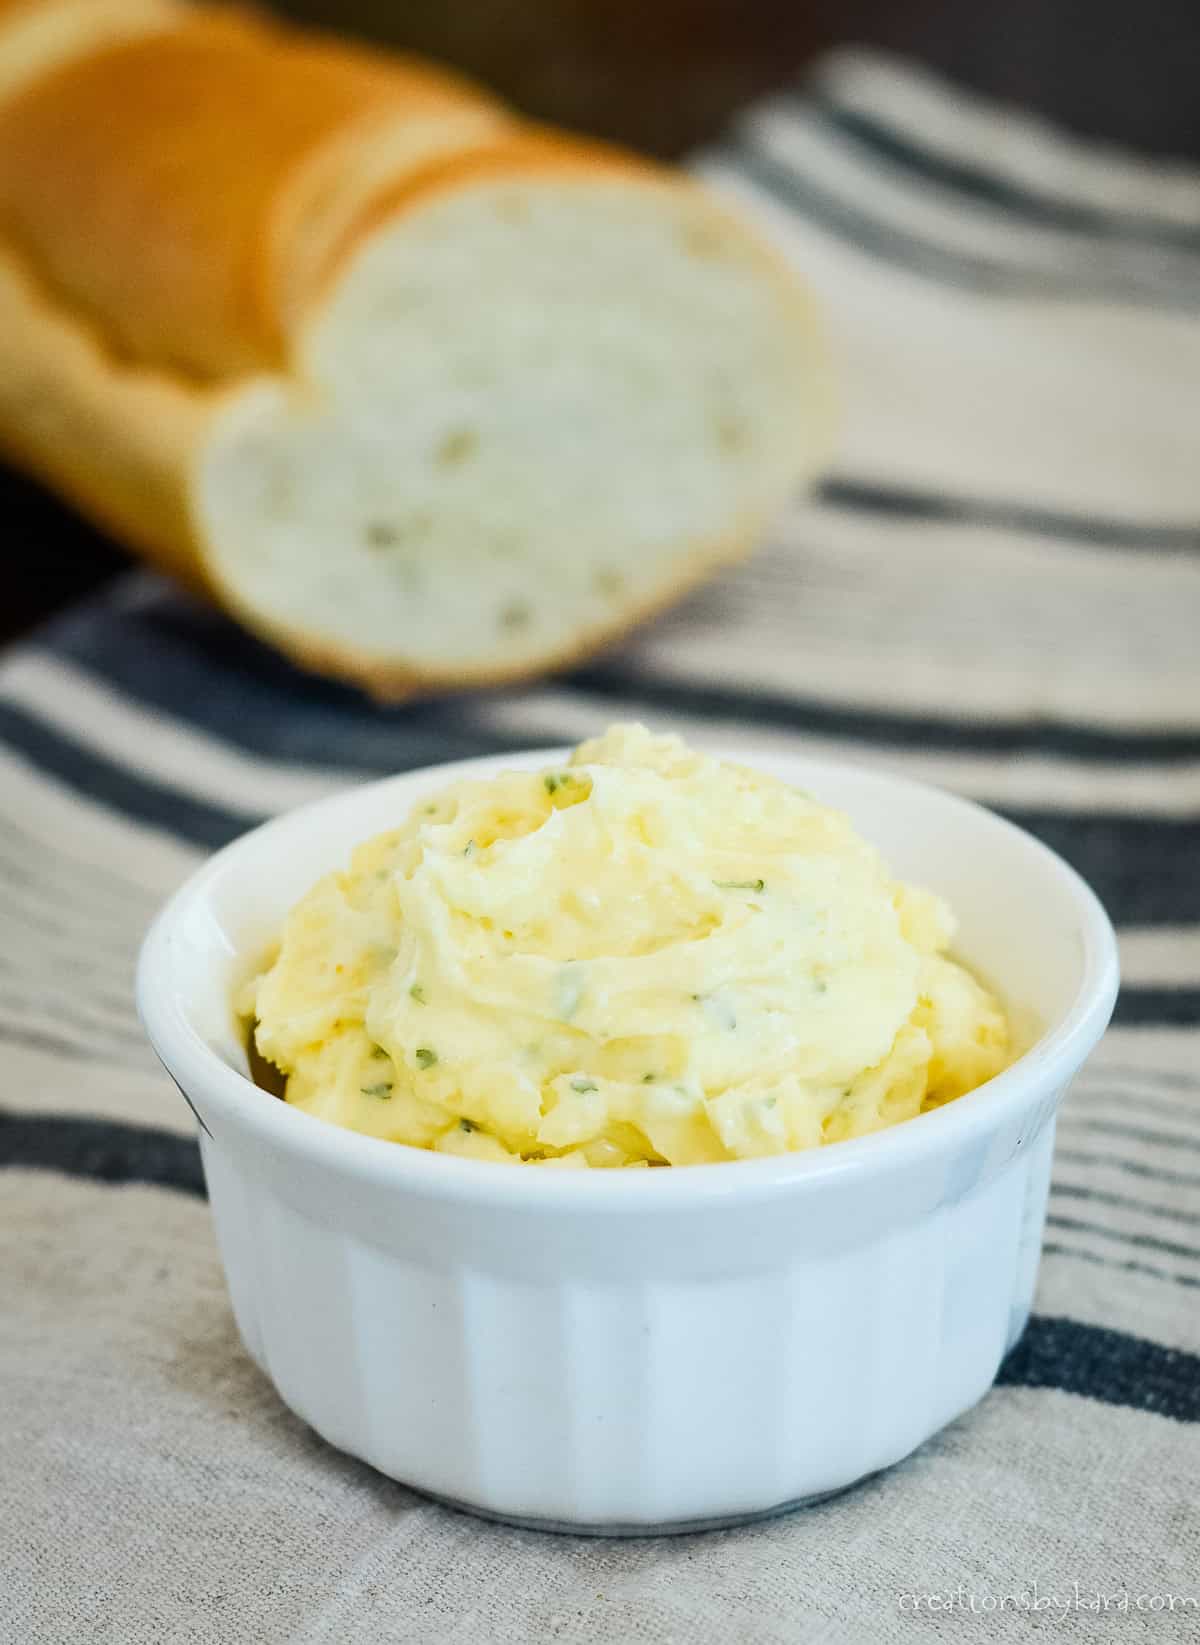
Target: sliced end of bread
<point x="539" y="400"/>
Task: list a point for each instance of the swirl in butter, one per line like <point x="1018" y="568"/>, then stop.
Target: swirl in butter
<point x="642" y="957"/>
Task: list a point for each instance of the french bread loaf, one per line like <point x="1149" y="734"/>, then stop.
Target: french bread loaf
<point x="424" y="394"/>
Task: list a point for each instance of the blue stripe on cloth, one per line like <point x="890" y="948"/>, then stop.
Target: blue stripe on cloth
<point x="1136" y="1168"/>
<point x="100" y="1150"/>
<point x="800" y="194"/>
<point x="1111" y="1366"/>
<point x="924" y="164"/>
<point x="1144" y="1242"/>
<point x="1123" y="1202"/>
<point x="705" y="699"/>
<point x="195" y="665"/>
<point x="142" y="799"/>
<point x="1158" y="1008"/>
<point x="1142" y="869"/>
<point x="1055" y="1248"/>
<point x="937" y="508"/>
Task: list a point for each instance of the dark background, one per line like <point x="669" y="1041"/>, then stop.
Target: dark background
<point x="666" y="75"/>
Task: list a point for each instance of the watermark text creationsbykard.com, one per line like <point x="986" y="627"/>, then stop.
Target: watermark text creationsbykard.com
<point x="1047" y="1601"/>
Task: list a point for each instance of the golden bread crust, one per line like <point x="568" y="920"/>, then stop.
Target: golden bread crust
<point x="158" y="184"/>
<point x="179" y="190"/>
<point x="118" y="440"/>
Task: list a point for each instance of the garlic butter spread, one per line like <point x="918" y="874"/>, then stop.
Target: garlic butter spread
<point x="643" y="956"/>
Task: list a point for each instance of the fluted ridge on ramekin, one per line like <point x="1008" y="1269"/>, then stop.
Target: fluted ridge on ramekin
<point x="563" y="1400"/>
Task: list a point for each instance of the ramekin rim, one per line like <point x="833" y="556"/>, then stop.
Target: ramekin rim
<point x="1044" y="1066"/>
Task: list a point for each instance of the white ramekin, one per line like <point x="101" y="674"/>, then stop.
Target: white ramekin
<point x="635" y="1350"/>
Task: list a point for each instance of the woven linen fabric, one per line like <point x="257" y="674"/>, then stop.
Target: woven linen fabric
<point x="997" y="589"/>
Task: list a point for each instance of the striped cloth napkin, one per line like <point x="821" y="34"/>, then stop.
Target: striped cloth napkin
<point x="998" y="590"/>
